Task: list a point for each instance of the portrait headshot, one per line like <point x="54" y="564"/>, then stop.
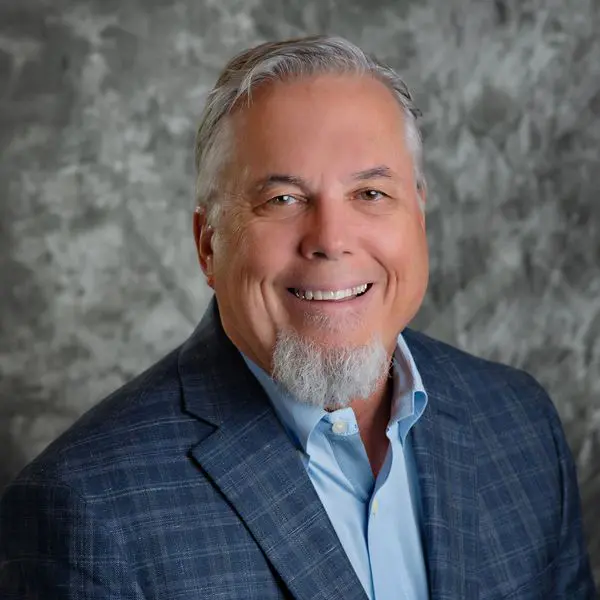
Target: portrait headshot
<point x="300" y="302"/>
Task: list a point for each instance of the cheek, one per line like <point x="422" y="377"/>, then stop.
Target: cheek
<point x="404" y="248"/>
<point x="250" y="255"/>
<point x="403" y="252"/>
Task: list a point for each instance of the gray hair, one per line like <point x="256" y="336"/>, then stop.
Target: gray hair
<point x="282" y="61"/>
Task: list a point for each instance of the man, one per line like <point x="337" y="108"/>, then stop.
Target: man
<point x="303" y="443"/>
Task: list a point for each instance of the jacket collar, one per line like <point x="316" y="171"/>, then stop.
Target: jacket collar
<point x="250" y="459"/>
<point x="444" y="452"/>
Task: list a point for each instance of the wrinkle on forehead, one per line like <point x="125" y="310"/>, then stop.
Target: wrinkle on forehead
<point x="259" y="150"/>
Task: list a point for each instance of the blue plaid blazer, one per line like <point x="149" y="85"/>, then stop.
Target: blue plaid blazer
<point x="183" y="485"/>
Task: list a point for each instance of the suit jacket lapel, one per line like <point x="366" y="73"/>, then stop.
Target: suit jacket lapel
<point x="445" y="458"/>
<point x="250" y="458"/>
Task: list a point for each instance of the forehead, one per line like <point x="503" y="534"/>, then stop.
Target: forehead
<point x="350" y="120"/>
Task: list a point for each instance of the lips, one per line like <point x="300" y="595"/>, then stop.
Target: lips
<point x="331" y="295"/>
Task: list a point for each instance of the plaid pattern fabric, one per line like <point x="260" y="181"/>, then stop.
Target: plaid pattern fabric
<point x="183" y="485"/>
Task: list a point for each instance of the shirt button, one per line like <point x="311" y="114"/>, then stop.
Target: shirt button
<point x="374" y="507"/>
<point x="339" y="427"/>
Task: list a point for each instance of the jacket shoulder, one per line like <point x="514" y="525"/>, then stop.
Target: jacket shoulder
<point x="132" y="422"/>
<point x="512" y="389"/>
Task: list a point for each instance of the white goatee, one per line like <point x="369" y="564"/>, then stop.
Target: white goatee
<point x="328" y="377"/>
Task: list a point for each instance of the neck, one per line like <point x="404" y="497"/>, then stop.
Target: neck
<point x="373" y="417"/>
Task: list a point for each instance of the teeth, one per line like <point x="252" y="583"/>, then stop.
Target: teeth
<point x="331" y="294"/>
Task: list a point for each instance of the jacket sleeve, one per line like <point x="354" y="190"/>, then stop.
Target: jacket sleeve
<point x="571" y="572"/>
<point x="53" y="548"/>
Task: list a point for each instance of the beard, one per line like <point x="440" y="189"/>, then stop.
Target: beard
<point x="328" y="377"/>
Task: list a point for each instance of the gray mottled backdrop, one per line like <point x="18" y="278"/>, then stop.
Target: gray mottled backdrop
<point x="99" y="100"/>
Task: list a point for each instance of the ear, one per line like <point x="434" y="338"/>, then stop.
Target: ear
<point x="203" y="234"/>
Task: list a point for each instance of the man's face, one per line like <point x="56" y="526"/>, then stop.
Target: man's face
<point x="320" y="232"/>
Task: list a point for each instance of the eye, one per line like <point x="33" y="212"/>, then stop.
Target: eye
<point x="371" y="195"/>
<point x="283" y="200"/>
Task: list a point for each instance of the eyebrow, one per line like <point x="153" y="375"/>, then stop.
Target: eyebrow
<point x="380" y="171"/>
<point x="278" y="178"/>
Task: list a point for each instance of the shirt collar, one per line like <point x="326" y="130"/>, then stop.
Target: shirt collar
<point x="408" y="402"/>
<point x="409" y="396"/>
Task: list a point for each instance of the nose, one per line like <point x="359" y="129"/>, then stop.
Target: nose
<point x="327" y="232"/>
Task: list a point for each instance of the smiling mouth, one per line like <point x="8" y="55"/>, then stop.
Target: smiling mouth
<point x="331" y="295"/>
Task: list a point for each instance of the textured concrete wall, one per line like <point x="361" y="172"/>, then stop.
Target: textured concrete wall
<point x="99" y="101"/>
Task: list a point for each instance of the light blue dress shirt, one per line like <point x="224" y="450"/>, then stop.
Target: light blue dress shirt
<point x="376" y="520"/>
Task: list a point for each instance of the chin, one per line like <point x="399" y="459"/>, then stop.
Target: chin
<point x="337" y="337"/>
<point x="333" y="325"/>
